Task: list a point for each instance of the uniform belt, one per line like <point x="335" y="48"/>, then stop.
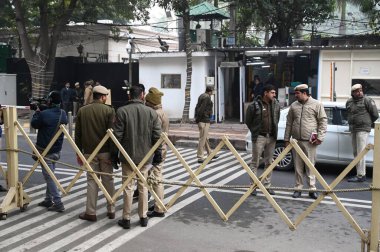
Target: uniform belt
<point x="265" y="134"/>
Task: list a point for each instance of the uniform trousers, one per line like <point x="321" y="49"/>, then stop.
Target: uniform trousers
<point x="158" y="188"/>
<point x="310" y="151"/>
<point x="100" y="163"/>
<point x="128" y="192"/>
<point x="203" y="140"/>
<point x="262" y="145"/>
<point x="359" y="142"/>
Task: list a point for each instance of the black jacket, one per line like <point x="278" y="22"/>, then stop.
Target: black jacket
<point x="203" y="109"/>
<point x="254" y="117"/>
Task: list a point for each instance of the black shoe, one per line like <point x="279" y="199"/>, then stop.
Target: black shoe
<point x="357" y="179"/>
<point x="57" y="208"/>
<point x="155" y="214"/>
<point x="254" y="193"/>
<point x="150" y="209"/>
<point x="216" y="156"/>
<point x="296" y="194"/>
<point x="271" y="192"/>
<point x="126" y="224"/>
<point x="313" y="195"/>
<point x="45" y="203"/>
<point x="143" y="222"/>
<point x="201" y="161"/>
<point x="2" y="189"/>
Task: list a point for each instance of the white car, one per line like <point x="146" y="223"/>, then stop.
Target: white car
<point x="336" y="147"/>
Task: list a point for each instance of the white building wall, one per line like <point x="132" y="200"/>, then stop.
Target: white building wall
<point x="153" y="65"/>
<point x="350" y="64"/>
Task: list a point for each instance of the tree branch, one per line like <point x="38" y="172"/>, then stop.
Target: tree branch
<point x="21" y="28"/>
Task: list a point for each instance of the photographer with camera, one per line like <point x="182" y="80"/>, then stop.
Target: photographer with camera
<point x="47" y="122"/>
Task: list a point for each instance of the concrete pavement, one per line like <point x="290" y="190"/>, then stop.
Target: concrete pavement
<point x="187" y="134"/>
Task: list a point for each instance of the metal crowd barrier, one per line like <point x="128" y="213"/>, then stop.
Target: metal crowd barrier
<point x="17" y="197"/>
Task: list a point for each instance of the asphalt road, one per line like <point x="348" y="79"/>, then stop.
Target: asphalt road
<point x="191" y="224"/>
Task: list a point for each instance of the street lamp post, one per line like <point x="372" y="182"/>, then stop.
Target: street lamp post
<point x="80" y="51"/>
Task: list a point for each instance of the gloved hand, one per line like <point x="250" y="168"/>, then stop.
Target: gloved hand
<point x="157" y="158"/>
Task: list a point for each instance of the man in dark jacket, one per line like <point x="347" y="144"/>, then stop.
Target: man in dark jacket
<point x="47" y="122"/>
<point x="67" y="96"/>
<point x="362" y="113"/>
<point x="78" y="99"/>
<point x="262" y="119"/>
<point x="92" y="123"/>
<point x="203" y="111"/>
<point x="137" y="128"/>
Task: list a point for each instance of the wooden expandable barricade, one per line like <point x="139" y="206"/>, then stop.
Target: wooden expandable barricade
<point x="17" y="198"/>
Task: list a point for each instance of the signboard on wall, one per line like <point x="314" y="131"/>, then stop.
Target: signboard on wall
<point x="364" y="71"/>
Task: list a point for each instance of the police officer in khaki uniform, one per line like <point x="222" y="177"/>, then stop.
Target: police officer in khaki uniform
<point x="153" y="100"/>
<point x="138" y="128"/>
<point x="262" y="119"/>
<point x="203" y="111"/>
<point x="362" y="113"/>
<point x="92" y="123"/>
<point x="307" y="123"/>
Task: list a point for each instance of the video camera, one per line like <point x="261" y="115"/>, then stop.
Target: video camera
<point x="35" y="103"/>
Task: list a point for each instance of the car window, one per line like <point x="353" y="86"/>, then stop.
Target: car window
<point x="344" y="116"/>
<point x="329" y="113"/>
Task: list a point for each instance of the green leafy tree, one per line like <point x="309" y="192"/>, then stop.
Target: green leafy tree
<point x="182" y="7"/>
<point x="282" y="18"/>
<point x="372" y="9"/>
<point x="40" y="23"/>
<point x="342" y="6"/>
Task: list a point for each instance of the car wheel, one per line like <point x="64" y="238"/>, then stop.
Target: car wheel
<point x="286" y="163"/>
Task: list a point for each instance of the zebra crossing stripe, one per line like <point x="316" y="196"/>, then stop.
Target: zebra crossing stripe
<point x="77" y="222"/>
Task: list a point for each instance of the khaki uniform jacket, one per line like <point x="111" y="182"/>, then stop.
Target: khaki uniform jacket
<point x="87" y="99"/>
<point x="137" y="128"/>
<point x="91" y="126"/>
<point x="164" y="125"/>
<point x="304" y="119"/>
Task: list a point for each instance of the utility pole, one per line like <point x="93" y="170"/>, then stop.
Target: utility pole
<point x="232" y="26"/>
<point x="130" y="47"/>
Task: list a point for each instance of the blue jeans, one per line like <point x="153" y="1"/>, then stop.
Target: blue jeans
<point x="52" y="193"/>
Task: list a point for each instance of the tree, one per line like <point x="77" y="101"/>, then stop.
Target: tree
<point x="182" y="7"/>
<point x="40" y="23"/>
<point x="342" y="5"/>
<point x="283" y="18"/>
<point x="372" y="9"/>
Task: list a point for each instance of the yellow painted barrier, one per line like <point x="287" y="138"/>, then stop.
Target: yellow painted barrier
<point x="16" y="196"/>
